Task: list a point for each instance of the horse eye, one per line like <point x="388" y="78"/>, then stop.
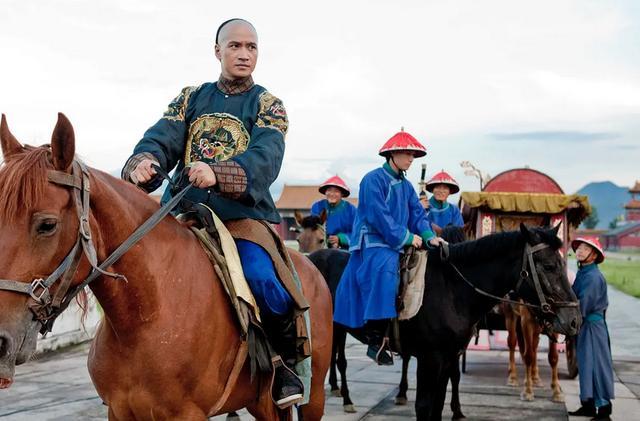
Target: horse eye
<point x="47" y="227"/>
<point x="549" y="267"/>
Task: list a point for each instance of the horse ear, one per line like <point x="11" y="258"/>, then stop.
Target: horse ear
<point x="63" y="144"/>
<point x="10" y="144"/>
<point x="556" y="229"/>
<point x="298" y="216"/>
<point x="323" y="216"/>
<point x="525" y="232"/>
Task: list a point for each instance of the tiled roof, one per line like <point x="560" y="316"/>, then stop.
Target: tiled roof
<point x="631" y="226"/>
<point x="302" y="197"/>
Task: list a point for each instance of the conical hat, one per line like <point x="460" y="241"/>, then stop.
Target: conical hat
<point x="443" y="178"/>
<point x="403" y="141"/>
<point x="593" y="242"/>
<point x="335" y="181"/>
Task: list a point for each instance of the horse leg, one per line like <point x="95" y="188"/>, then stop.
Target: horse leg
<point x="558" y="396"/>
<point x="528" y="356"/>
<point x="340" y="338"/>
<point x="429" y="371"/>
<point x="456" y="409"/>
<point x="537" y="382"/>
<point x="401" y="398"/>
<point x="233" y="416"/>
<point x="333" y="378"/>
<point x="510" y="320"/>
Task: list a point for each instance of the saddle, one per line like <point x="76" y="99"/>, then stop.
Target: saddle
<point x="413" y="266"/>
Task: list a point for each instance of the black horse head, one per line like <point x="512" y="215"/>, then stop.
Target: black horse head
<point x="543" y="281"/>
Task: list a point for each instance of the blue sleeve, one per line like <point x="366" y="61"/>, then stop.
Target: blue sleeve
<point x="258" y="167"/>
<point x="378" y="215"/>
<point x="351" y="216"/>
<point x="317" y="207"/>
<point x="166" y="139"/>
<point x="418" y="221"/>
<point x="457" y="217"/>
<point x="590" y="294"/>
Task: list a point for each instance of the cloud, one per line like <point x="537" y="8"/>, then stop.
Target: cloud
<point x="556" y="136"/>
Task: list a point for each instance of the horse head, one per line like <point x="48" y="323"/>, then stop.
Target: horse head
<point x="543" y="282"/>
<point x="38" y="227"/>
<point x="312" y="235"/>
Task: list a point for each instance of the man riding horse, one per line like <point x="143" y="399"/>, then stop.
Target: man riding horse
<point x="389" y="218"/>
<point x="340" y="213"/>
<point x="230" y="134"/>
<point x="441" y="213"/>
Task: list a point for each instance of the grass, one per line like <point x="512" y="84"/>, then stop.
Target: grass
<point x="623" y="274"/>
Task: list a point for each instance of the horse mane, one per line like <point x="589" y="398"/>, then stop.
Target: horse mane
<point x="487" y="247"/>
<point x="23" y="180"/>
<point x="311" y="222"/>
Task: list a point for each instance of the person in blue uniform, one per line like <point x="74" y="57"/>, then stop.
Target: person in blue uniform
<point x="389" y="217"/>
<point x="340" y="213"/>
<point x="595" y="366"/>
<point x="440" y="212"/>
<point x="230" y="134"/>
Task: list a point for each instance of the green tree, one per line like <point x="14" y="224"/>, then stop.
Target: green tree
<point x="613" y="224"/>
<point x="592" y="220"/>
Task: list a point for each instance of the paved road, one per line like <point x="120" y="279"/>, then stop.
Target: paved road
<point x="57" y="387"/>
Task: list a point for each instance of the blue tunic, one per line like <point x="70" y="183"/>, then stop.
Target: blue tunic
<point x="594" y="352"/>
<point x="388" y="213"/>
<point x="339" y="218"/>
<point x="443" y="214"/>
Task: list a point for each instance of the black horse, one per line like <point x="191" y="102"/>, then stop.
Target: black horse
<point x="451" y="307"/>
<point x="331" y="263"/>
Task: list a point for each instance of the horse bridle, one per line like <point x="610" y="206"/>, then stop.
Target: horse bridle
<point x="44" y="305"/>
<point x="546" y="306"/>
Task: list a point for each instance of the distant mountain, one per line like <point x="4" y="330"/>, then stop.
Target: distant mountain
<point x="608" y="198"/>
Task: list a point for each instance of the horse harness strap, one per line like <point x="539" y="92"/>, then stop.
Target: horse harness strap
<point x="45" y="307"/>
<point x="527" y="260"/>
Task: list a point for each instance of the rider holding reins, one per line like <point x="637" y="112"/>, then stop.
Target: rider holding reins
<point x="340" y="213"/>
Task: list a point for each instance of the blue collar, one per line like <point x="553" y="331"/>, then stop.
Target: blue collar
<point x="397" y="176"/>
<point x="588" y="268"/>
<point x="438" y="205"/>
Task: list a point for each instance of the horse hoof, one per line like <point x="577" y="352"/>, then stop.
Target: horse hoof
<point x="558" y="398"/>
<point x="458" y="416"/>
<point x="401" y="400"/>
<point x="512" y="383"/>
<point x="526" y="397"/>
<point x="349" y="409"/>
<point x="336" y="393"/>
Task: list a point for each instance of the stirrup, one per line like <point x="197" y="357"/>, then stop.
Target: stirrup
<point x="383" y="355"/>
<point x="289" y="400"/>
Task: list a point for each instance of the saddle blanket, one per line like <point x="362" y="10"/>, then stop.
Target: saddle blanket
<point x="412" y="292"/>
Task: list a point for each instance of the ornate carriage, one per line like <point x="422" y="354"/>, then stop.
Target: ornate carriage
<point x="523" y="195"/>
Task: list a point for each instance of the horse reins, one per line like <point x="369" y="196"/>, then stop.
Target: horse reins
<point x="527" y="260"/>
<point x="44" y="305"/>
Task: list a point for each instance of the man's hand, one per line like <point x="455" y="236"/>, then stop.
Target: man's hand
<point x="436" y="241"/>
<point x="416" y="241"/>
<point x="334" y="241"/>
<point x="201" y="175"/>
<point x="143" y="172"/>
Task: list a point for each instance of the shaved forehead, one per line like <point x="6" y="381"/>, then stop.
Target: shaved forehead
<point x="234" y="27"/>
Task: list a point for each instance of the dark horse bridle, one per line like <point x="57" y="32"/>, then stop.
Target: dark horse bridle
<point x="44" y="305"/>
<point x="546" y="306"/>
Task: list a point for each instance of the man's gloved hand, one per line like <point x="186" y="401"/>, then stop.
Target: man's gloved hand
<point x="437" y="241"/>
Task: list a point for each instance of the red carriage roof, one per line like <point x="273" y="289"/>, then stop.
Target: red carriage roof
<point x="523" y="180"/>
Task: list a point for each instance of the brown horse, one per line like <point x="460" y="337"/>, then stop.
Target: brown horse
<point x="169" y="339"/>
<point x="524" y="331"/>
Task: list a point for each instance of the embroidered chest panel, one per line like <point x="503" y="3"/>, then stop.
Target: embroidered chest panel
<point x="215" y="137"/>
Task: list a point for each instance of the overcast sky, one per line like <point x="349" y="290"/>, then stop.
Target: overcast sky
<point x="554" y="85"/>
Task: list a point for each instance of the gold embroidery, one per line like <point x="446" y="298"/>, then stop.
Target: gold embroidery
<point x="272" y="114"/>
<point x="215" y="138"/>
<point x="177" y="107"/>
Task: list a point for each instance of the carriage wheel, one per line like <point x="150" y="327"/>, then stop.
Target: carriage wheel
<point x="572" y="357"/>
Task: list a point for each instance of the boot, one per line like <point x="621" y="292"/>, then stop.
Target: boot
<point x="604" y="412"/>
<point x="287" y="388"/>
<point x="587" y="409"/>
<point x="378" y="349"/>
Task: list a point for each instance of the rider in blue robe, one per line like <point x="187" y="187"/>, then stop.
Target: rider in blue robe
<point x="440" y="212"/>
<point x="595" y="366"/>
<point x="339" y="213"/>
<point x="389" y="217"/>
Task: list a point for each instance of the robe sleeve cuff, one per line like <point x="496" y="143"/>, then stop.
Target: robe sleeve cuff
<point x="427" y="235"/>
<point x="343" y="239"/>
<point x="231" y="179"/>
<point x="408" y="239"/>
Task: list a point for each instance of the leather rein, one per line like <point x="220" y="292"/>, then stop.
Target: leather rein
<point x="546" y="305"/>
<point x="46" y="305"/>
